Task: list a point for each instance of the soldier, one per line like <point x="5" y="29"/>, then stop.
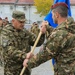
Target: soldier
<point x="6" y="18"/>
<point x="16" y="42"/>
<point x="1" y="24"/>
<point x="60" y="45"/>
<point x="1" y="27"/>
<point x="4" y="22"/>
<point x="34" y="28"/>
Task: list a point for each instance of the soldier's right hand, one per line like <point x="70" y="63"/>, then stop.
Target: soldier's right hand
<point x="29" y="55"/>
<point x="25" y="62"/>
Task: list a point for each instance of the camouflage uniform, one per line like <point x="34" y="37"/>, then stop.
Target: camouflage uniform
<point x="16" y="43"/>
<point x="34" y="29"/>
<point x="1" y="28"/>
<point x="1" y="57"/>
<point x="49" y="31"/>
<point x="61" y="47"/>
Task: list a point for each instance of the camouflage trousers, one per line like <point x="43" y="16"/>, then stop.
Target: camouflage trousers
<point x="13" y="71"/>
<point x="68" y="69"/>
<point x="64" y="73"/>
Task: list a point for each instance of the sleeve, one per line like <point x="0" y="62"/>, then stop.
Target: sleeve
<point x="9" y="49"/>
<point x="55" y="43"/>
<point x="49" y="31"/>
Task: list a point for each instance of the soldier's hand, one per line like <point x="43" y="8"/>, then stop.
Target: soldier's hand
<point x="29" y="55"/>
<point x="43" y="26"/>
<point x="25" y="62"/>
<point x="44" y="23"/>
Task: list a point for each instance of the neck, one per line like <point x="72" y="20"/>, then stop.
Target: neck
<point x="61" y="20"/>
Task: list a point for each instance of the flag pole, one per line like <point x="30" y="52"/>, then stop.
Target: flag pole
<point x="32" y="50"/>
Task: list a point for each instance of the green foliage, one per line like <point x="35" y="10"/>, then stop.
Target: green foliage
<point x="43" y="6"/>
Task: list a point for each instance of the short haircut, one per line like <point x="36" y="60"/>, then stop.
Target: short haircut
<point x="62" y="10"/>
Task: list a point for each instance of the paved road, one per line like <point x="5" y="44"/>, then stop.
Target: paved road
<point x="44" y="69"/>
<point x="1" y="71"/>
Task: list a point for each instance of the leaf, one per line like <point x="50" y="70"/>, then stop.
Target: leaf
<point x="43" y="6"/>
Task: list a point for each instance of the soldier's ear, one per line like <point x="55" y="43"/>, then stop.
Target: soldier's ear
<point x="57" y="14"/>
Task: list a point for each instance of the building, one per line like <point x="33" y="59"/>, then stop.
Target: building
<point x="73" y="8"/>
<point x="8" y="6"/>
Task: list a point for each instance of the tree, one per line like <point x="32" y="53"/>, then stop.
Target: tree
<point x="43" y="6"/>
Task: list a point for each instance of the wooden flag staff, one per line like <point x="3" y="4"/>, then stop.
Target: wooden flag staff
<point x="32" y="50"/>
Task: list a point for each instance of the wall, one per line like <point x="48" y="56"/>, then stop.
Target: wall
<point x="73" y="11"/>
<point x="6" y="11"/>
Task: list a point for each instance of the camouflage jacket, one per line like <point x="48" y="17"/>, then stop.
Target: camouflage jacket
<point x="1" y="27"/>
<point x="61" y="46"/>
<point x="0" y="45"/>
<point x="16" y="43"/>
